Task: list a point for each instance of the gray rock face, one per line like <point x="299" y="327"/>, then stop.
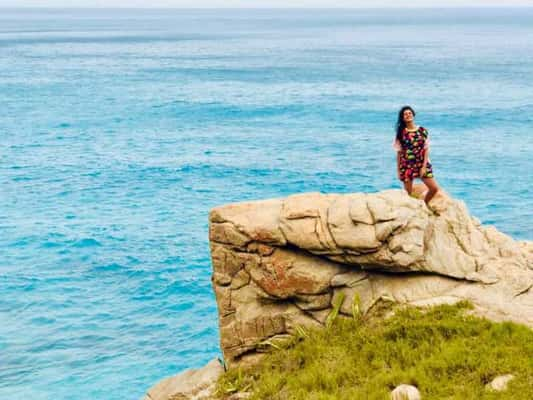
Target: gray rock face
<point x="281" y="263"/>
<point x="193" y="384"/>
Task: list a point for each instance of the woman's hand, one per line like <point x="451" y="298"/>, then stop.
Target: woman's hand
<point x="423" y="171"/>
<point x="399" y="174"/>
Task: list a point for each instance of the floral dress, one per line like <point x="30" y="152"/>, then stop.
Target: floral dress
<point x="412" y="146"/>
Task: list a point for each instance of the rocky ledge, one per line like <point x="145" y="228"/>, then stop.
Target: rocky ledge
<point x="283" y="263"/>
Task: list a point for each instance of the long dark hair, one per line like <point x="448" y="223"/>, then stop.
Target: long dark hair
<point x="400" y="125"/>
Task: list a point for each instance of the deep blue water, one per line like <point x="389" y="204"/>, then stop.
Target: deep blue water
<point x="121" y="129"/>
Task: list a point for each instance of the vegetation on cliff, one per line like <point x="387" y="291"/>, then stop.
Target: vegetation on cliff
<point x="445" y="351"/>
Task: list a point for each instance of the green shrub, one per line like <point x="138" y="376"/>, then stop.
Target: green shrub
<point x="444" y="351"/>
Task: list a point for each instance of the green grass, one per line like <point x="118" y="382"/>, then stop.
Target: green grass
<point x="444" y="351"/>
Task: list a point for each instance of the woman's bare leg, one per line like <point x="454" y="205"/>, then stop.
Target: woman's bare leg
<point x="433" y="188"/>
<point x="408" y="186"/>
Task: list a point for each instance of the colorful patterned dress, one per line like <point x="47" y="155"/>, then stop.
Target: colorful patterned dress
<point x="412" y="146"/>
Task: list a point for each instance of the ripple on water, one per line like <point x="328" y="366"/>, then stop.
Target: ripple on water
<point x="86" y="242"/>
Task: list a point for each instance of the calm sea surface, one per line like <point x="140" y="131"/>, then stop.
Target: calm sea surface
<point x="121" y="129"/>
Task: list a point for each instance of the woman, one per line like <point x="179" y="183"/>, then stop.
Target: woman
<point x="412" y="147"/>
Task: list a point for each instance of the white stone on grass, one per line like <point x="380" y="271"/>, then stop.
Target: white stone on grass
<point x="499" y="383"/>
<point x="405" y="392"/>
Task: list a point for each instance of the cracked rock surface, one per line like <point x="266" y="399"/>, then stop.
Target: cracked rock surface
<point x="280" y="263"/>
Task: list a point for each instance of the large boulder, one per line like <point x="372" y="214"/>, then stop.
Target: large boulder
<point x="281" y="263"/>
<point x="193" y="384"/>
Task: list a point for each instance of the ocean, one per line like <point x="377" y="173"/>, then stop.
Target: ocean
<point x="121" y="129"/>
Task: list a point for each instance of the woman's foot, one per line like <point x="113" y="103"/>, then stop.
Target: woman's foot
<point x="433" y="210"/>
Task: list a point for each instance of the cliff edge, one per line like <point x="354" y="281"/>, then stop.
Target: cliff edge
<point x="283" y="263"/>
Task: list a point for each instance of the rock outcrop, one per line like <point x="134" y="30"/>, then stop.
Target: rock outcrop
<point x="281" y="263"/>
<point x="193" y="384"/>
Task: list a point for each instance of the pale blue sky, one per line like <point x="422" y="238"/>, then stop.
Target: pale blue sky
<point x="264" y="3"/>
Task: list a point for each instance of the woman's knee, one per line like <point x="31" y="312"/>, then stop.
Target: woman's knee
<point x="431" y="185"/>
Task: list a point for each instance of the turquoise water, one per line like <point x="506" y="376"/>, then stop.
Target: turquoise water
<point x="121" y="129"/>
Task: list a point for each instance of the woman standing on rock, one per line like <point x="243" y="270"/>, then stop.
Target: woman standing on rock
<point x="412" y="147"/>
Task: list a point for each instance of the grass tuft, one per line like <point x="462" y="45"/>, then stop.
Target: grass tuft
<point x="444" y="351"/>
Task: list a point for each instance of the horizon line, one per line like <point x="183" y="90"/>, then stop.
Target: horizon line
<point x="261" y="8"/>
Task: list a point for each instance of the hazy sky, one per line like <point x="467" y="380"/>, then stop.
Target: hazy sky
<point x="263" y="3"/>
